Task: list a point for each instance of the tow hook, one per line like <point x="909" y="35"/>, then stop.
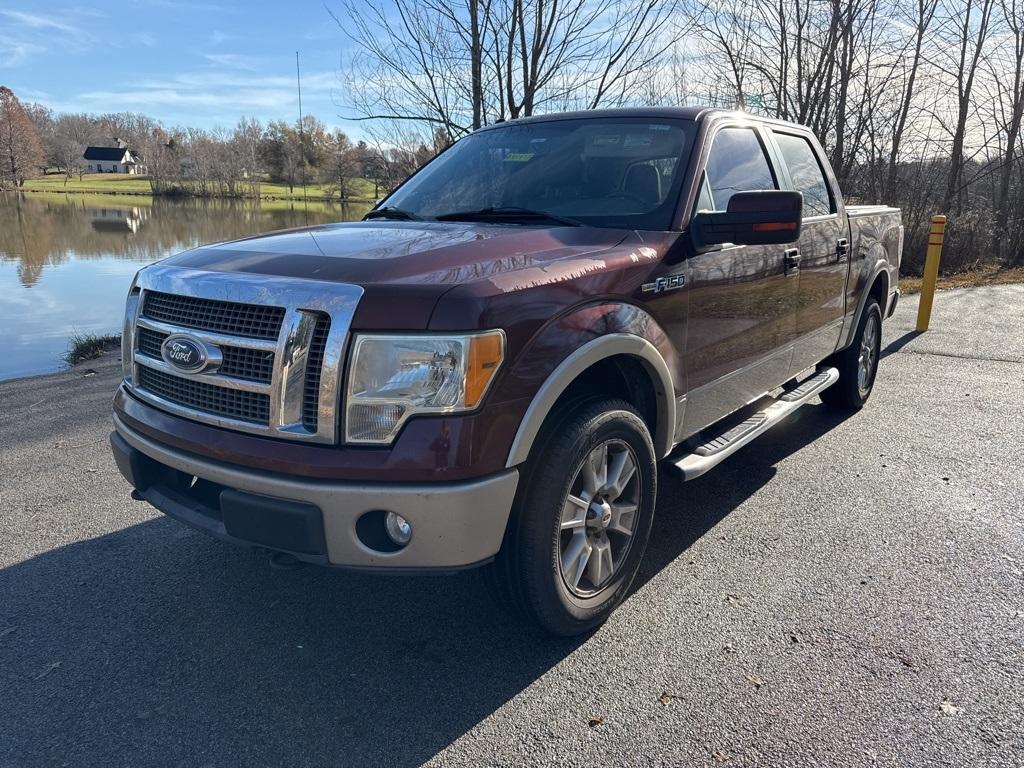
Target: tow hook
<point x="283" y="561"/>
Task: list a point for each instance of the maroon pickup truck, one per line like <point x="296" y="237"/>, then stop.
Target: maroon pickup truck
<point x="487" y="369"/>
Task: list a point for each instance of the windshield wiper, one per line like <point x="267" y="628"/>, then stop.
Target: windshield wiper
<point x="508" y="213"/>
<point x="390" y="212"/>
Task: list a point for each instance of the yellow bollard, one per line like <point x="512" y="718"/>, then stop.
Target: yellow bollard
<point x="931" y="272"/>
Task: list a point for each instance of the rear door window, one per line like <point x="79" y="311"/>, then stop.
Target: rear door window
<point x="806" y="174"/>
<point x="736" y="163"/>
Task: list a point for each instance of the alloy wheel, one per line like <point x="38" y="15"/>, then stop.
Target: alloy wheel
<point x="598" y="518"/>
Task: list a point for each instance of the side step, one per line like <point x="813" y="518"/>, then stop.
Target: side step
<point x="716" y="450"/>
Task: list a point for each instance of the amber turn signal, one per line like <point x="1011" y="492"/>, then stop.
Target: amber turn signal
<point x="486" y="351"/>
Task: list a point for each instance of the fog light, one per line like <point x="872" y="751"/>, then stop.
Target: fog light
<point x="398" y="528"/>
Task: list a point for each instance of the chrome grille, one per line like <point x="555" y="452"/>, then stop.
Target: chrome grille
<point x="251" y="321"/>
<point x="314" y="365"/>
<point x="209" y="398"/>
<point x="274" y="349"/>
<point x="239" y="362"/>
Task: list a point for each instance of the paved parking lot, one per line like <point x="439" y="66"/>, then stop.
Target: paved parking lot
<point x="843" y="592"/>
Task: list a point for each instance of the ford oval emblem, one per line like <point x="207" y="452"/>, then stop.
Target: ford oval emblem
<point x="184" y="353"/>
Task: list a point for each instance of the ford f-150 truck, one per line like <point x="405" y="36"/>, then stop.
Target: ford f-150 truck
<point x="487" y="370"/>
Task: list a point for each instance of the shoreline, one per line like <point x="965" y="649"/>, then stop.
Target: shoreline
<point x="315" y="198"/>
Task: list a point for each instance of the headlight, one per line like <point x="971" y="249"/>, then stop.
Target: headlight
<point x="391" y="378"/>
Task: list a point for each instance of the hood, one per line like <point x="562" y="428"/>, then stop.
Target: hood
<point x="440" y="254"/>
<point x="405" y="267"/>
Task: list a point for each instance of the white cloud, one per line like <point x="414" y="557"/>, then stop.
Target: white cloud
<point x="33" y="21"/>
<point x="221" y="94"/>
<point x="14" y="51"/>
<point x="233" y="60"/>
<point x="29" y="34"/>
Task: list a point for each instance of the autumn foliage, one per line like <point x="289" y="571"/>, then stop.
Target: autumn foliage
<point x="21" y="150"/>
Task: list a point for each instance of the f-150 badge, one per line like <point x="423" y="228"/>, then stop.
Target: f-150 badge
<point x="662" y="284"/>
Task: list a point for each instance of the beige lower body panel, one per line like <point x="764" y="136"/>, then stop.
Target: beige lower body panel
<point x="454" y="524"/>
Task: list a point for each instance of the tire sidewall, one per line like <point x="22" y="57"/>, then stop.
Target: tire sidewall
<point x="872" y="309"/>
<point x="598" y="426"/>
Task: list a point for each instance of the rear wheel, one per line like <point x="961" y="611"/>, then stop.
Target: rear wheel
<point x="582" y="517"/>
<point x="858" y="363"/>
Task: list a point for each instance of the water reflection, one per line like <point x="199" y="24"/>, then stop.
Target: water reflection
<point x="66" y="260"/>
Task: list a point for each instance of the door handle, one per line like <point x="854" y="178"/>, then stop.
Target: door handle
<point x="791" y="261"/>
<point x="842" y="248"/>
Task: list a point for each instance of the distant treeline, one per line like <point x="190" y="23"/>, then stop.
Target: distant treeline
<point x="192" y="161"/>
<point x="919" y="103"/>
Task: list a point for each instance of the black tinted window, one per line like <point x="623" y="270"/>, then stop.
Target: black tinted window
<point x="601" y="171"/>
<point x="806" y="173"/>
<point x="737" y="163"/>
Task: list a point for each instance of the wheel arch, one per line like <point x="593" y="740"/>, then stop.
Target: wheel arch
<point x="878" y="287"/>
<point x="630" y="350"/>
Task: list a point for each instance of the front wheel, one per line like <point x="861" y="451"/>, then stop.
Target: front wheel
<point x="858" y="363"/>
<point x="582" y="518"/>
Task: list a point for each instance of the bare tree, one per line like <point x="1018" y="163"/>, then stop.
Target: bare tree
<point x="1009" y="77"/>
<point x="72" y="133"/>
<point x="969" y="21"/>
<point x="21" y="151"/>
<point x="460" y="66"/>
<point x="247" y="139"/>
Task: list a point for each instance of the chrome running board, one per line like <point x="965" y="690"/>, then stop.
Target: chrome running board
<point x="716" y="450"/>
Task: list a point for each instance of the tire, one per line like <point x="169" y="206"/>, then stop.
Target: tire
<point x="855" y="380"/>
<point x="566" y="561"/>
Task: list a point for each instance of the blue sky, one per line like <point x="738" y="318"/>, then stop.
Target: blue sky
<point x="184" y="62"/>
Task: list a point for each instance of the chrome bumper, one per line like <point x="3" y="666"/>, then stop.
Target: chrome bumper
<point x="455" y="525"/>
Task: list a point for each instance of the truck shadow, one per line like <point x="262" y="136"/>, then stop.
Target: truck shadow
<point x="154" y="645"/>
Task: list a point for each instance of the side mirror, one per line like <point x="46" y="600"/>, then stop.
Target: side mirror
<point x="753" y="218"/>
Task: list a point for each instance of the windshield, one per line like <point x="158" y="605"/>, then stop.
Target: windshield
<point x="604" y="172"/>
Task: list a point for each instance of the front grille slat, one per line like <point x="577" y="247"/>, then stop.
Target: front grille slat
<point x="249" y="364"/>
<point x="237" y="404"/>
<point x="239" y="362"/>
<point x="254" y="321"/>
<point x="314" y="366"/>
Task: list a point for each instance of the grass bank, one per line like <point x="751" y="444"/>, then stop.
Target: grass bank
<point x="89" y="346"/>
<point x="984" y="275"/>
<point x="359" y="190"/>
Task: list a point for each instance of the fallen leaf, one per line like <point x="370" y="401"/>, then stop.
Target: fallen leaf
<point x="732" y="599"/>
<point x="948" y="708"/>
<point x="667" y="697"/>
<point x="595" y="721"/>
<point x="49" y="668"/>
<point x="729" y="648"/>
<point x="721" y="755"/>
<point x="754" y="680"/>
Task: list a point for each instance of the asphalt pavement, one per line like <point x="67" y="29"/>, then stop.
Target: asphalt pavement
<point x="846" y="591"/>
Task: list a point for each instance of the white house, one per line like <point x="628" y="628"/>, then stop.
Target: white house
<point x="111" y="160"/>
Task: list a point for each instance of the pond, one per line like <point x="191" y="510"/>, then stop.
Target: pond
<point x="66" y="260"/>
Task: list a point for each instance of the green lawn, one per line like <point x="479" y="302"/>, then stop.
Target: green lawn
<point x="110" y="183"/>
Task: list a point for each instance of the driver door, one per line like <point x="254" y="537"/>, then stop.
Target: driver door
<point x="742" y="310"/>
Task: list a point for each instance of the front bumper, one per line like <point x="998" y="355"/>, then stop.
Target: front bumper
<point x="455" y="525"/>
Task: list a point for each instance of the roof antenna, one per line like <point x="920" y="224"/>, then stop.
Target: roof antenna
<point x="302" y="142"/>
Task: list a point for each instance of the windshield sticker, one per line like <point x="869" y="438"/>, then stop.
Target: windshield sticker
<point x="657" y="127"/>
<point x="518" y="157"/>
<point x="605" y="141"/>
<point x="637" y="140"/>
